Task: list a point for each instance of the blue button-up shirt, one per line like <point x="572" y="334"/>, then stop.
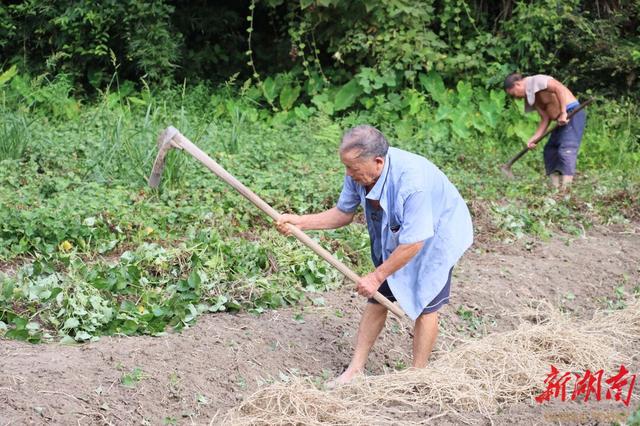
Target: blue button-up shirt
<point x="418" y="204"/>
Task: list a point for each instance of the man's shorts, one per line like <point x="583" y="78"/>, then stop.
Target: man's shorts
<point x="440" y="300"/>
<point x="561" y="152"/>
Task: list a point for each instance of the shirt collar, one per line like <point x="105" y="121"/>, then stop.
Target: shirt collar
<point x="376" y="191"/>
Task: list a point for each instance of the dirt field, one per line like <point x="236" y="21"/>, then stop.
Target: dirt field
<point x="196" y="376"/>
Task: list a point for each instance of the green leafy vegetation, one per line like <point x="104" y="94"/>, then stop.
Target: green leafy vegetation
<point x="634" y="418"/>
<point x="131" y="379"/>
<point x="472" y="321"/>
<point x="104" y="254"/>
<point x="316" y="42"/>
<point x="89" y="250"/>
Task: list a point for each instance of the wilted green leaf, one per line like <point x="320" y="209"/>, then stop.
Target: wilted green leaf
<point x="71" y="323"/>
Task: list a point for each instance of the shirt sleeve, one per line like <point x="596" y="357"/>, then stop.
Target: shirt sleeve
<point x="349" y="197"/>
<point x="417" y="223"/>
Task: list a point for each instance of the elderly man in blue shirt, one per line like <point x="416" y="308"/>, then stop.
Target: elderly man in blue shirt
<point x="419" y="227"/>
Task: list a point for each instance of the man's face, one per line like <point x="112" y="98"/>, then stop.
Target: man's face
<point x="517" y="90"/>
<point x="364" y="171"/>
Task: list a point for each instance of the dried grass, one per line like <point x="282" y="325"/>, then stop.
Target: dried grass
<point x="478" y="376"/>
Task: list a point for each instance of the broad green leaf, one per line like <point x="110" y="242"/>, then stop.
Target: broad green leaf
<point x="8" y="75"/>
<point x="465" y="92"/>
<point x="270" y="89"/>
<point x="134" y="273"/>
<point x="433" y="84"/>
<point x="233" y="306"/>
<point x="490" y="113"/>
<point x="194" y="279"/>
<point x="438" y="132"/>
<point x="137" y="101"/>
<point x="219" y="305"/>
<point x="7" y="290"/>
<point x="479" y="123"/>
<point x="71" y="323"/>
<point x="303" y="112"/>
<point x="323" y="103"/>
<point x="445" y="112"/>
<point x="288" y="96"/>
<point x="33" y="326"/>
<point x="67" y="340"/>
<point x="128" y="306"/>
<point x="17" y="334"/>
<point x="498" y="98"/>
<point x="20" y="322"/>
<point x="460" y="126"/>
<point x="347" y="95"/>
<point x="305" y="3"/>
<point x="193" y="313"/>
<point x="405" y="129"/>
<point x="183" y="286"/>
<point x="158" y="311"/>
<point x="521" y="130"/>
<point x="106" y="246"/>
<point x="415" y="100"/>
<point x="129" y="327"/>
<point x="81" y="336"/>
<point x="369" y="5"/>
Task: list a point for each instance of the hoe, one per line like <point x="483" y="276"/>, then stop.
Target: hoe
<point x="172" y="138"/>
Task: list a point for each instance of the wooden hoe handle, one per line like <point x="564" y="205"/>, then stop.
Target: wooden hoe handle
<point x="526" y="148"/>
<point x="171" y="136"/>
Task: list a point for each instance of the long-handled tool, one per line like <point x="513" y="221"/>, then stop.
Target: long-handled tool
<point x="172" y="138"/>
<point x="506" y="168"/>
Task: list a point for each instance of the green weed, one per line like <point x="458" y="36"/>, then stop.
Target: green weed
<point x="102" y="254"/>
<point x="131" y="379"/>
<point x="14" y="136"/>
<point x="473" y="322"/>
<point x="634" y="418"/>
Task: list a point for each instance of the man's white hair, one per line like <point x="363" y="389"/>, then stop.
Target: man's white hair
<point x="369" y="141"/>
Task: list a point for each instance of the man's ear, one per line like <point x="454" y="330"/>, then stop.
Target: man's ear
<point x="379" y="160"/>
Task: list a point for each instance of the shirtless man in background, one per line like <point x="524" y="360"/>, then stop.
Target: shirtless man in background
<point x="553" y="101"/>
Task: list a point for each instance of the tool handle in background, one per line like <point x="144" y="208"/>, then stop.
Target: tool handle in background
<point x="526" y="148"/>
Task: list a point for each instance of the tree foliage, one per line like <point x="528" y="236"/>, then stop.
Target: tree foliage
<point x="384" y="43"/>
<point x="89" y="40"/>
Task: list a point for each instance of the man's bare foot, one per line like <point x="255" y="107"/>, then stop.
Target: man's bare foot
<point x="348" y="376"/>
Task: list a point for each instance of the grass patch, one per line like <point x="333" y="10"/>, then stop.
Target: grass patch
<point x="105" y="254"/>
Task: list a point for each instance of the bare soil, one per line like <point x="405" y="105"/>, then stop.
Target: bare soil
<point x="195" y="376"/>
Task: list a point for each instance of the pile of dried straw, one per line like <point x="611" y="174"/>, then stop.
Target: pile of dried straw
<point x="478" y="376"/>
